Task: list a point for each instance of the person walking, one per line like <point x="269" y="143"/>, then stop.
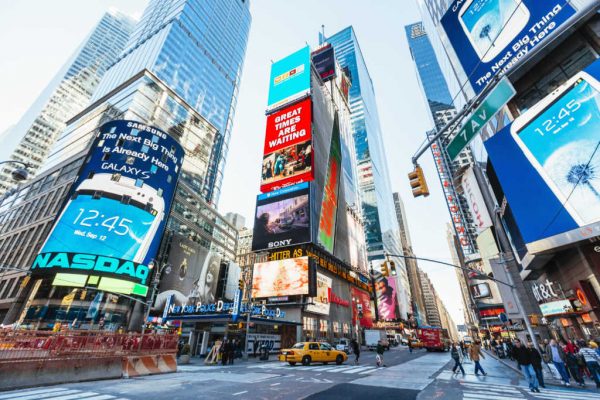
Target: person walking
<point x="410" y="346"/>
<point x="536" y="362"/>
<point x="379" y="357"/>
<point x="224" y="351"/>
<point x="355" y="350"/>
<point x="570" y="350"/>
<point x="476" y="355"/>
<point x="557" y="356"/>
<point x="231" y="352"/>
<point x="456" y="354"/>
<point x="523" y="357"/>
<point x="592" y="360"/>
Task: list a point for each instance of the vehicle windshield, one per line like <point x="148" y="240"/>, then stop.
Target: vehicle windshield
<point x="325" y="346"/>
<point x="298" y="346"/>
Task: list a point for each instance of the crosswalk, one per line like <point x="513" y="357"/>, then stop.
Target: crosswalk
<point x="339" y="369"/>
<point x="54" y="393"/>
<point x="487" y="391"/>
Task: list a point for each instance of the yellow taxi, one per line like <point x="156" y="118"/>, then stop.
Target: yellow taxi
<point x="309" y="352"/>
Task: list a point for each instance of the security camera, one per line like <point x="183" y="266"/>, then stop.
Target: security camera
<point x="20" y="174"/>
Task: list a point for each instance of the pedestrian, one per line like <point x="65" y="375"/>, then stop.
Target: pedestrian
<point x="410" y="345"/>
<point x="456" y="354"/>
<point x="476" y="355"/>
<point x="224" y="351"/>
<point x="355" y="350"/>
<point x="536" y="362"/>
<point x="570" y="350"/>
<point x="379" y="357"/>
<point x="523" y="357"/>
<point x="557" y="356"/>
<point x="592" y="360"/>
<point x="231" y="352"/>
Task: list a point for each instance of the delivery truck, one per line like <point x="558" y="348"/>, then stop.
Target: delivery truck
<point x="434" y="338"/>
<point x="372" y="336"/>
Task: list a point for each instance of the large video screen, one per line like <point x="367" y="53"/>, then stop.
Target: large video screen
<point x="491" y="36"/>
<point x="288" y="277"/>
<point x="329" y="204"/>
<point x="321" y="300"/>
<point x="288" y="155"/>
<point x="282" y="218"/>
<point x="290" y="78"/>
<point x="111" y="223"/>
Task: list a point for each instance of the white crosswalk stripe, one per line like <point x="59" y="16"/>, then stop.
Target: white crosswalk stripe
<point x="487" y="391"/>
<point x="342" y="369"/>
<point x="55" y="394"/>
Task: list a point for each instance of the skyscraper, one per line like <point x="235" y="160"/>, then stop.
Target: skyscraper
<point x="31" y="139"/>
<point x="380" y="223"/>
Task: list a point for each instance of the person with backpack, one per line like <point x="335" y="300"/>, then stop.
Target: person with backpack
<point x="355" y="350"/>
<point x="571" y="361"/>
<point x="455" y="353"/>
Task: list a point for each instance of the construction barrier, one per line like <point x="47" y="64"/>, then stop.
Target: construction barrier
<point x="149" y="365"/>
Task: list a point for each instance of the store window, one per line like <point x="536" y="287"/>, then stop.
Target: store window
<point x="336" y="329"/>
<point x="309" y="326"/>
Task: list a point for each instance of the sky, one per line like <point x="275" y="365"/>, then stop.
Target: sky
<point x="43" y="40"/>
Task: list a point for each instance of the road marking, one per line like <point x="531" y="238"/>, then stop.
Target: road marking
<point x="468" y="395"/>
<point x="559" y="394"/>
<point x="238" y="393"/>
<point x="373" y="369"/>
<point x="324" y="368"/>
<point x="275" y="384"/>
<point x="42" y="395"/>
<point x="359" y="369"/>
<point x="21" y="393"/>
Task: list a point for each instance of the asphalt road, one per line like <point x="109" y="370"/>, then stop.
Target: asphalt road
<point x="419" y="375"/>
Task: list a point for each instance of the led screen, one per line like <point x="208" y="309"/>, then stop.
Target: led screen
<point x="287" y="277"/>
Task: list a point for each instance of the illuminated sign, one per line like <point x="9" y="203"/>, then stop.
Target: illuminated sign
<point x="361" y="308"/>
<point x="330" y="192"/>
<point x="288" y="156"/>
<point x="288" y="277"/>
<point x="282" y="218"/>
<point x="220" y="307"/>
<point x="321" y="300"/>
<point x="556" y="307"/>
<point x="111" y="223"/>
<point x="290" y="78"/>
<point x="324" y="61"/>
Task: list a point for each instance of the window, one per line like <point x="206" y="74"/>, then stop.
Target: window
<point x="313" y="346"/>
<point x="326" y="347"/>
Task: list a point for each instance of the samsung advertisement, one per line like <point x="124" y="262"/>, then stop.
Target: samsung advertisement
<point x="553" y="149"/>
<point x="288" y="156"/>
<point x="287" y="277"/>
<point x="282" y="218"/>
<point x="290" y="78"/>
<point x="110" y="227"/>
<point x="491" y="36"/>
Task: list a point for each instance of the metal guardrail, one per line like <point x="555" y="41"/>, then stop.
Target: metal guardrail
<point x="21" y="345"/>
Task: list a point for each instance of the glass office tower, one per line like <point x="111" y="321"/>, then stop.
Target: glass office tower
<point x="31" y="139"/>
<point x="197" y="48"/>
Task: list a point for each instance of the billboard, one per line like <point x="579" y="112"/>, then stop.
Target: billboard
<point x="282" y="218"/>
<point x="287" y="277"/>
<point x="479" y="212"/>
<point x="491" y="36"/>
<point x="361" y="308"/>
<point x="324" y="61"/>
<point x="330" y="192"/>
<point x="547" y="162"/>
<point x="321" y="300"/>
<point x="111" y="224"/>
<point x="290" y="78"/>
<point x="387" y="298"/>
<point x="192" y="276"/>
<point x="288" y="157"/>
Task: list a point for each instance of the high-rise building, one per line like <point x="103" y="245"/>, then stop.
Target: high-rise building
<point x="431" y="300"/>
<point x="236" y="220"/>
<point x="31" y="139"/>
<point x="380" y="223"/>
<point x="412" y="267"/>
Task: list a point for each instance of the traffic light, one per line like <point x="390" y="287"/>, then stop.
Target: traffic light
<point x="384" y="269"/>
<point x="241" y="284"/>
<point x="418" y="183"/>
<point x="393" y="268"/>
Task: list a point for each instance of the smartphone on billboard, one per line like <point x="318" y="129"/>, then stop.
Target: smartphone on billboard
<point x="560" y="136"/>
<point x="491" y="25"/>
<point x="108" y="215"/>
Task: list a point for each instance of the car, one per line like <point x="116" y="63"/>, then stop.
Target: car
<point x="309" y="352"/>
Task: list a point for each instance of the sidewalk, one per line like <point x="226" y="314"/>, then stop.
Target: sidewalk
<point x="238" y="361"/>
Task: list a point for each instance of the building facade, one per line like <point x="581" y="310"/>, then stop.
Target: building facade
<point x="32" y="138"/>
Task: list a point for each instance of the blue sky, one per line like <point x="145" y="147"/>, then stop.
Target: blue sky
<point x="46" y="33"/>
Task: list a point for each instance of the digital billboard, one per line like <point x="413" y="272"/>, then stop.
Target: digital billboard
<point x="288" y="155"/>
<point x="282" y="218"/>
<point x="547" y="162"/>
<point x="111" y="224"/>
<point x="361" y="308"/>
<point x="192" y="275"/>
<point x="387" y="295"/>
<point x="287" y="277"/>
<point x="491" y="36"/>
<point x="321" y="300"/>
<point x="324" y="61"/>
<point x="330" y="193"/>
<point x="290" y="78"/>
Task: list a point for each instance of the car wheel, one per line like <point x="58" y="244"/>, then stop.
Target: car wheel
<point x="306" y="360"/>
<point x="339" y="359"/>
<point x="292" y="363"/>
<point x="325" y="362"/>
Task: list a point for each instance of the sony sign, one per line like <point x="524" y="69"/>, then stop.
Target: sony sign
<point x="481" y="217"/>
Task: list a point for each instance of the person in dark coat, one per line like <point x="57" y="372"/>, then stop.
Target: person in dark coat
<point x="231" y="352"/>
<point x="455" y="353"/>
<point x="523" y="357"/>
<point x="536" y="362"/>
<point x="355" y="350"/>
<point x="224" y="351"/>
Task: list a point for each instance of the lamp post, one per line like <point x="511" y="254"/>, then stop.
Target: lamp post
<point x="166" y="267"/>
<point x="19" y="174"/>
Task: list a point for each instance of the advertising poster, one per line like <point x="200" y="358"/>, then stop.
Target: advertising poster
<point x="324" y="61"/>
<point x="553" y="149"/>
<point x="288" y="157"/>
<point x="257" y="340"/>
<point x="387" y="298"/>
<point x="110" y="227"/>
<point x="288" y="277"/>
<point x="290" y="78"/>
<point x="481" y="217"/>
<point x="361" y="308"/>
<point x="330" y="192"/>
<point x="282" y="218"/>
<point x="321" y="300"/>
<point x="491" y="36"/>
<point x="192" y="277"/>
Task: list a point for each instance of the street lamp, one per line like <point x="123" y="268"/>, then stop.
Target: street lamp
<point x="18" y="174"/>
<point x="166" y="268"/>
